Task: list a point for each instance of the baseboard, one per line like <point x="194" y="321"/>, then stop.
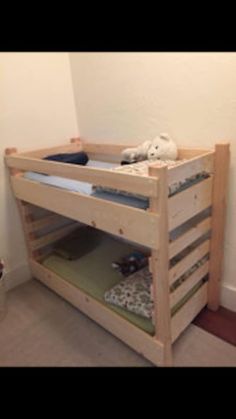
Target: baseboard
<point x="228" y="297"/>
<point x="17" y="276"/>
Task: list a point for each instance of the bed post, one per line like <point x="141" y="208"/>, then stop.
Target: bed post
<point x="160" y="266"/>
<point x="219" y="195"/>
<point x="25" y="214"/>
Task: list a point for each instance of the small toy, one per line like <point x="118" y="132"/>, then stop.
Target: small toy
<point x="161" y="147"/>
<point x="130" y="263"/>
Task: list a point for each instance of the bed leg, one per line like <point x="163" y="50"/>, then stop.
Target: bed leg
<point x="219" y="194"/>
<point x="24" y="213"/>
<point x="160" y="266"/>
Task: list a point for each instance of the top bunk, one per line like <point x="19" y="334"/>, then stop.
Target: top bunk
<point x="34" y="180"/>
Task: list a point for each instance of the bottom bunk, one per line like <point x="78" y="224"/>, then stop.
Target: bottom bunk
<point x="84" y="274"/>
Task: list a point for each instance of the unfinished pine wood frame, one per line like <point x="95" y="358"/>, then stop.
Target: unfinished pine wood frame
<point x="150" y="228"/>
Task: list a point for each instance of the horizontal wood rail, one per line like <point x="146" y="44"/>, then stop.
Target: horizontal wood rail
<point x="146" y="186"/>
<point x="184" y="316"/>
<point x="187" y="204"/>
<point x="114" y="218"/>
<point x="134" y="337"/>
<point x="193" y="234"/>
<point x="111" y="149"/>
<point x="52" y="237"/>
<point x="45" y="221"/>
<point x="192" y="167"/>
<point x="189" y="153"/>
<point x="64" y="148"/>
<point x="188" y="261"/>
<point x="188" y="284"/>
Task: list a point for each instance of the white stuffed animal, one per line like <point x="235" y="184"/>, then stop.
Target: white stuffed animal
<point x="160" y="148"/>
<point x="138" y="153"/>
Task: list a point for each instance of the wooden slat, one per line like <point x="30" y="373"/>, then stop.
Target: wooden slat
<point x="159" y="266"/>
<point x="189" y="237"/>
<point x="42" y="222"/>
<point x="188" y="284"/>
<point x="114" y="218"/>
<point x="108" y="148"/>
<point x="189" y="153"/>
<point x="134" y="337"/>
<point x="189" y="203"/>
<point x="219" y="197"/>
<point x="65" y="148"/>
<point x="192" y="167"/>
<point x="186" y="263"/>
<point x="24" y="210"/>
<point x="188" y="312"/>
<point x="53" y="237"/>
<point x="146" y="186"/>
<point x="105" y="148"/>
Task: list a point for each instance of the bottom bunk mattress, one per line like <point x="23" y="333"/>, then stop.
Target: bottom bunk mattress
<point x="93" y="274"/>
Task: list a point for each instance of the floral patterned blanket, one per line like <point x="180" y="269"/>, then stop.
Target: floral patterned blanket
<point x="134" y="293"/>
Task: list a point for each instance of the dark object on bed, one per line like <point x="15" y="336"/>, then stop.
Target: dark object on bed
<point x="73" y="158"/>
<point x="78" y="243"/>
<point x="123" y="162"/>
<point x="131" y="263"/>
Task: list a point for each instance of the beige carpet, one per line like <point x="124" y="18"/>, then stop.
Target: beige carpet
<point x="41" y="329"/>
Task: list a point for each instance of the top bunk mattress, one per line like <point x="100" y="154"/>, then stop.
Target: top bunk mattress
<point x="110" y="194"/>
<point x="85" y="188"/>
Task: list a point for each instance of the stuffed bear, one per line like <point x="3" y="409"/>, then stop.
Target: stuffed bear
<point x="135" y="154"/>
<point x="161" y="147"/>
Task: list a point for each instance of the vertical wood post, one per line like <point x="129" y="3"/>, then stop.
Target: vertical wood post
<point x="160" y="265"/>
<point x="219" y="196"/>
<point x="25" y="214"/>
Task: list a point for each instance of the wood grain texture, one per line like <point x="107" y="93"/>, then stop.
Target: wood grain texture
<point x="188" y="261"/>
<point x="189" y="203"/>
<point x="49" y="238"/>
<point x="159" y="265"/>
<point x="188" y="312"/>
<point x="186" y="239"/>
<point x="114" y="218"/>
<point x="134" y="337"/>
<point x="192" y="167"/>
<point x="188" y="284"/>
<point x="45" y="221"/>
<point x="219" y="198"/>
<point x="146" y="186"/>
<point x="64" y="148"/>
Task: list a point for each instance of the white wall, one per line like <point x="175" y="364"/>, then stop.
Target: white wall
<point x="36" y="110"/>
<point x="134" y="96"/>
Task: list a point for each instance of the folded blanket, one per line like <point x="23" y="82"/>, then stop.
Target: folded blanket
<point x="77" y="244"/>
<point x="80" y="158"/>
<point x="134" y="293"/>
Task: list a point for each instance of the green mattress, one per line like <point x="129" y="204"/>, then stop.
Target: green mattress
<point x="93" y="274"/>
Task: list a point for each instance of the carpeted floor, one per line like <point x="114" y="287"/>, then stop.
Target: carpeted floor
<point x="41" y="329"/>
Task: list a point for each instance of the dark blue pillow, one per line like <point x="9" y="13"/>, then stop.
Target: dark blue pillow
<point x="74" y="158"/>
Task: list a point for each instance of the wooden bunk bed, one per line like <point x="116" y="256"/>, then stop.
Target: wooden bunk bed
<point x="150" y="228"/>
